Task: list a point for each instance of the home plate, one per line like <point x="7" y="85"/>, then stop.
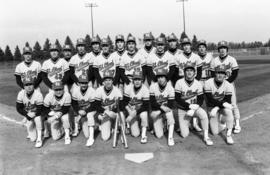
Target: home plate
<point x="139" y="157"/>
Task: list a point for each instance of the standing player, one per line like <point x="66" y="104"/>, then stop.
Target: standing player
<point x="56" y="107"/>
<point x="95" y="45"/>
<point x="161" y="100"/>
<point x="120" y="45"/>
<point x="67" y="52"/>
<point x="28" y="68"/>
<point x="136" y="102"/>
<point x="29" y="104"/>
<point x="232" y="70"/>
<point x="82" y="99"/>
<point x="161" y="60"/>
<point x="219" y="94"/>
<point x="107" y="97"/>
<point x="188" y="57"/>
<point x="55" y="69"/>
<point x="189" y="98"/>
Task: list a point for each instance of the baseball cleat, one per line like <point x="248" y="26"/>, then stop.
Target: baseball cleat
<point x="170" y="141"/>
<point x="237" y="129"/>
<point x="229" y="140"/>
<point x="196" y="127"/>
<point x="89" y="142"/>
<point x="144" y="140"/>
<point x="75" y="133"/>
<point x="208" y="141"/>
<point x="38" y="143"/>
<point x="67" y="141"/>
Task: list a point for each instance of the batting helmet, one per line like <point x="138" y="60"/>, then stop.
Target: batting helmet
<point x="185" y="41"/>
<point x="67" y="47"/>
<point x="160" y="40"/>
<point x="131" y="39"/>
<point x="54" y="47"/>
<point x="27" y="50"/>
<point x="223" y="44"/>
<point x="137" y="75"/>
<point x="80" y="42"/>
<point x="119" y="38"/>
<point x="202" y="42"/>
<point x="172" y="37"/>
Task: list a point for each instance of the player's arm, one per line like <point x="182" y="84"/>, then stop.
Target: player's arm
<point x="144" y="72"/>
<point x="215" y="102"/>
<point x="144" y="106"/>
<point x="200" y="99"/>
<point x="172" y="68"/>
<point x="181" y="103"/>
<point x="72" y="74"/>
<point x="97" y="75"/>
<point x="152" y="75"/>
<point x="233" y="76"/>
<point x="154" y="104"/>
<point x="44" y="76"/>
<point x="199" y="72"/>
<point x="123" y="76"/>
<point x="117" y="76"/>
<point x="97" y="106"/>
<point x="38" y="80"/>
<point x="20" y="110"/>
<point x="19" y="80"/>
<point x="90" y="73"/>
<point x="75" y="104"/>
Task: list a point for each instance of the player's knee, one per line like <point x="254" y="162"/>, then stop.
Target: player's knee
<point x="135" y="133"/>
<point x="184" y="134"/>
<point x="105" y="135"/>
<point x="38" y="122"/>
<point x="159" y="133"/>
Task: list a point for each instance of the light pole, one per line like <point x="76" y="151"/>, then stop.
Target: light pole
<point x="183" y="6"/>
<point x="91" y="5"/>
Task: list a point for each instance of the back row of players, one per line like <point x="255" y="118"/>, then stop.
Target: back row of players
<point x="93" y="83"/>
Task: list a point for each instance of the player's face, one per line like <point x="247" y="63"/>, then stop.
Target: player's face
<point x="187" y="48"/>
<point x="54" y="54"/>
<point x="108" y="83"/>
<point x="162" y="80"/>
<point x="137" y="83"/>
<point x="120" y="44"/>
<point x="131" y="46"/>
<point x="81" y="49"/>
<point x="83" y="86"/>
<point x="172" y="44"/>
<point x="67" y="53"/>
<point x="29" y="88"/>
<point x="148" y="43"/>
<point x="58" y="92"/>
<point x="96" y="47"/>
<point x="105" y="49"/>
<point x="189" y="73"/>
<point x="223" y="51"/>
<point x="202" y="49"/>
<point x="220" y="76"/>
<point x="160" y="47"/>
<point x="27" y="57"/>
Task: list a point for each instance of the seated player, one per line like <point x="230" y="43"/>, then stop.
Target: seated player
<point x="189" y="98"/>
<point x="106" y="101"/>
<point x="29" y="104"/>
<point x="219" y="94"/>
<point x="161" y="100"/>
<point x="136" y="102"/>
<point x="56" y="107"/>
<point x="82" y="98"/>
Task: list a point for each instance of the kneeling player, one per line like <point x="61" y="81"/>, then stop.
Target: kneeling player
<point x="219" y="93"/>
<point x="107" y="97"/>
<point x="56" y="107"/>
<point x="189" y="98"/>
<point x="136" y="102"/>
<point x="161" y="99"/>
<point x="82" y="99"/>
<point x="29" y="104"/>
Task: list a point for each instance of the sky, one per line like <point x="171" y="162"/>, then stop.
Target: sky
<point x="212" y="20"/>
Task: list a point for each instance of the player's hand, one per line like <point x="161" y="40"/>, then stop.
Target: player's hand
<point x="214" y="111"/>
<point x="82" y="113"/>
<point x="165" y="108"/>
<point x="58" y="115"/>
<point x="194" y="106"/>
<point x="52" y="113"/>
<point x="31" y="114"/>
<point x="190" y="112"/>
<point x="227" y="105"/>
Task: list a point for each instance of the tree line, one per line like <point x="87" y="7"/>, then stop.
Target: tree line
<point x="42" y="52"/>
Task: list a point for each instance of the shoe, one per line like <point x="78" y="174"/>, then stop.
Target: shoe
<point x="27" y="137"/>
<point x="89" y="142"/>
<point x="230" y="140"/>
<point x="144" y="140"/>
<point x="67" y="141"/>
<point x="196" y="127"/>
<point x="38" y="143"/>
<point x="237" y="129"/>
<point x="75" y="133"/>
<point x="208" y="141"/>
<point x="170" y="141"/>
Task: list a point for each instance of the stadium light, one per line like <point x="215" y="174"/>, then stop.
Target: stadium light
<point x="91" y="5"/>
<point x="183" y="6"/>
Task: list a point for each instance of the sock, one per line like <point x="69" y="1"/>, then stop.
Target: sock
<point x="67" y="133"/>
<point x="237" y="122"/>
<point x="39" y="134"/>
<point x="171" y="129"/>
<point x="143" y="131"/>
<point x="229" y="132"/>
<point x="91" y="132"/>
<point x="205" y="134"/>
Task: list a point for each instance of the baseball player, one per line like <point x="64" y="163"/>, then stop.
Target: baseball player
<point x="131" y="61"/>
<point x="67" y="52"/>
<point x="105" y="62"/>
<point x="189" y="98"/>
<point x="186" y="57"/>
<point x="219" y="97"/>
<point x="119" y="45"/>
<point x="28" y="68"/>
<point x="232" y="70"/>
<point x="29" y="104"/>
<point x="82" y="99"/>
<point x="105" y="103"/>
<point x="136" y="102"/>
<point x="161" y="60"/>
<point x="56" y="107"/>
<point x="161" y="99"/>
<point x="55" y="69"/>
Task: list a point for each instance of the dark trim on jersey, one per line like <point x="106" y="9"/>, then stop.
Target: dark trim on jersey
<point x="132" y="55"/>
<point x="181" y="103"/>
<point x="233" y="76"/>
<point x="107" y="92"/>
<point x="211" y="102"/>
<point x="28" y="64"/>
<point x="172" y="51"/>
<point x="19" y="81"/>
<point x="187" y="55"/>
<point x="137" y="90"/>
<point x="189" y="83"/>
<point x="120" y="53"/>
<point x="199" y="73"/>
<point x="222" y="59"/>
<point x="148" y="50"/>
<point x="218" y="84"/>
<point x="72" y="74"/>
<point x="46" y="80"/>
<point x="54" y="62"/>
<point x="162" y="88"/>
<point x="20" y="110"/>
<point x="105" y="55"/>
<point x="96" y="53"/>
<point x="160" y="55"/>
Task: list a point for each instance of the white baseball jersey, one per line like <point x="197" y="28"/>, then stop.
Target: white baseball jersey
<point x="117" y="57"/>
<point x="182" y="60"/>
<point x="189" y="92"/>
<point x="218" y="93"/>
<point x="103" y="64"/>
<point x="32" y="70"/>
<point x="176" y="53"/>
<point x="31" y="102"/>
<point x="206" y="65"/>
<point x="84" y="99"/>
<point x="132" y="63"/>
<point x="161" y="62"/>
<point x="80" y="64"/>
<point x="145" y="53"/>
<point x="92" y="57"/>
<point x="55" y="70"/>
<point x="57" y="104"/>
<point x="136" y="98"/>
<point x="162" y="96"/>
<point x="108" y="100"/>
<point x="229" y="63"/>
